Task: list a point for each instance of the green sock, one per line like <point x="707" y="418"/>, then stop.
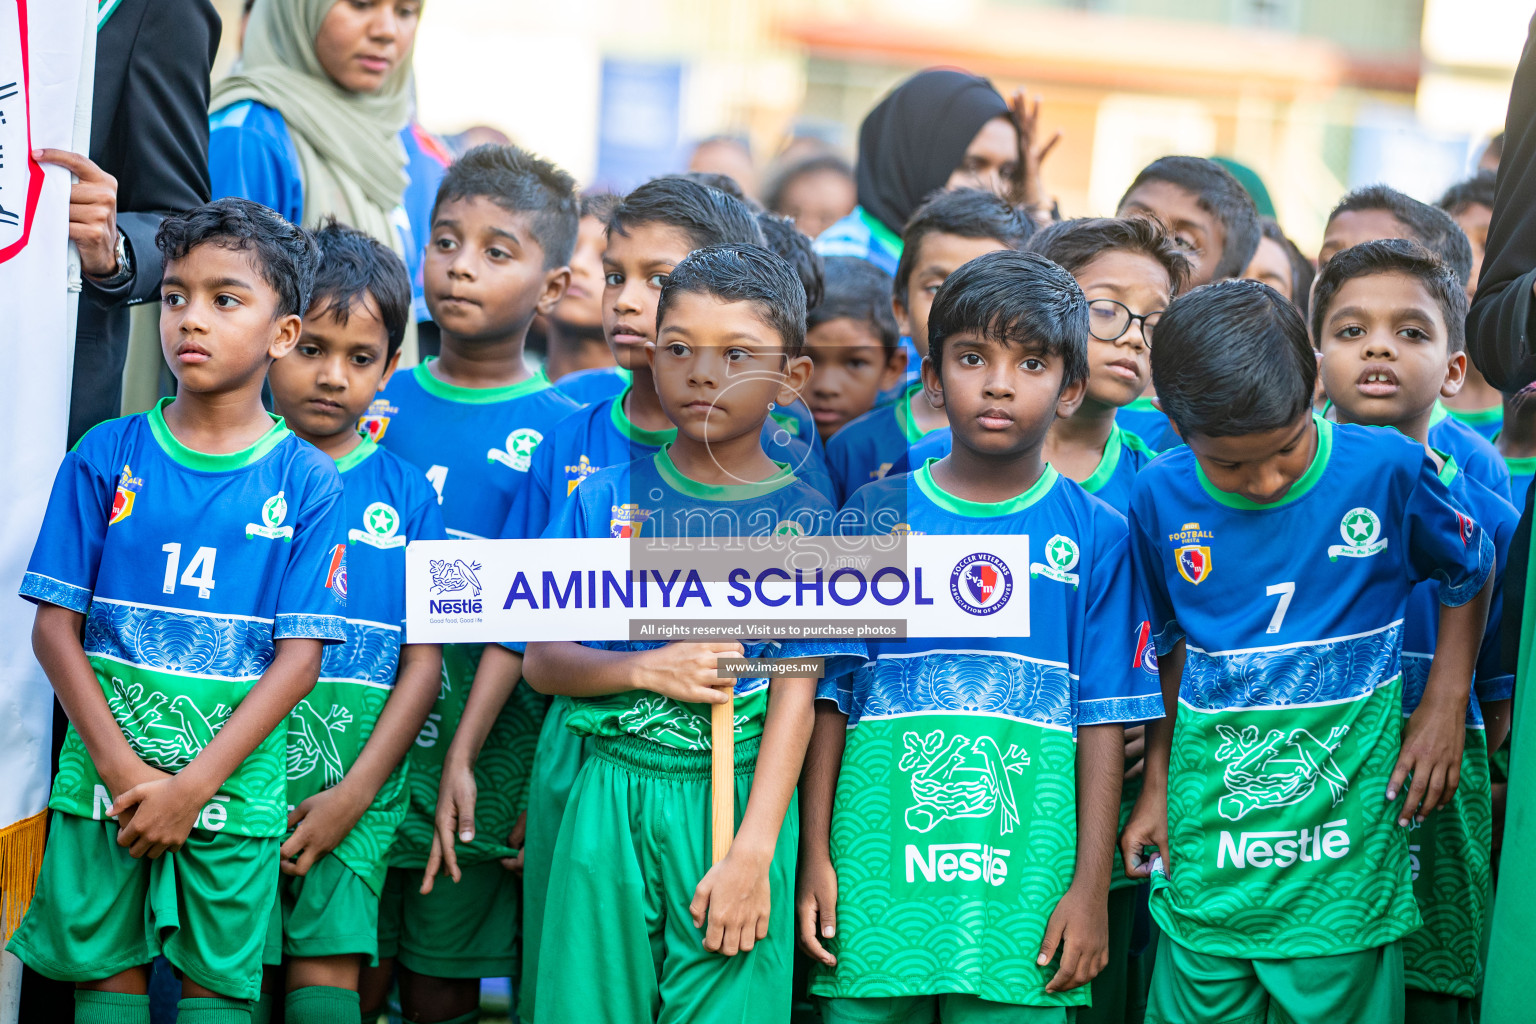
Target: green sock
<point x="92" y="1007"/>
<point x="261" y="1013"/>
<point x="215" y="1010"/>
<point x="322" y="1004"/>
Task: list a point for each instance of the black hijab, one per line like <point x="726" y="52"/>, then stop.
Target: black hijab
<point x="914" y="139"/>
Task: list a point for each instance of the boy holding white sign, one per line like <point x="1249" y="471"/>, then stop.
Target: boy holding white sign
<point x="632" y="882"/>
<point x="348" y="738"/>
<point x="960" y="798"/>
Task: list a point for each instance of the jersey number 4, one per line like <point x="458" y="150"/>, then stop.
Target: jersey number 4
<point x="199" y="571"/>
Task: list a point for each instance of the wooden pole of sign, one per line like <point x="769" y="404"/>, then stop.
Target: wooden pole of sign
<point x="722" y="774"/>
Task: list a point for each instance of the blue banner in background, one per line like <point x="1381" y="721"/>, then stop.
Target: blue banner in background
<point x="640" y="124"/>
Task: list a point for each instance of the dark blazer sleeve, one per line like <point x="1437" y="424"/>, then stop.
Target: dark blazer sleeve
<point x="149" y="124"/>
<point x="1499" y="323"/>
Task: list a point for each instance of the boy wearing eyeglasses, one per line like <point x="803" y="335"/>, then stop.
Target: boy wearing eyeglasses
<point x="1129" y="270"/>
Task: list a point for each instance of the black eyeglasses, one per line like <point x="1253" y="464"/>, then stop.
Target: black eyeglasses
<point x="1108" y="320"/>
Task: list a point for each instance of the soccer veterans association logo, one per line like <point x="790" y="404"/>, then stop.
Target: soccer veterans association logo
<point x="627" y="520"/>
<point x="1191" y="557"/>
<point x="520" y="445"/>
<point x="1361" y="530"/>
<point x="336" y="575"/>
<point x="981" y="583"/>
<point x="1468" y="527"/>
<point x="122" y="501"/>
<point x="381" y="524"/>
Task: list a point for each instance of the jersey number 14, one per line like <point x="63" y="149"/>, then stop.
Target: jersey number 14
<point x="199" y="571"/>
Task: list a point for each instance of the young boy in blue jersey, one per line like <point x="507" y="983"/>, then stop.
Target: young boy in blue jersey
<point x="471" y="420"/>
<point x="782" y="238"/>
<point x="1277" y="553"/>
<point x="190" y="569"/>
<point x="348" y="738"/>
<point x="632" y="887"/>
<point x="1389" y="322"/>
<point x="573" y="334"/>
<point x="1129" y="270"/>
<point x="1213" y="219"/>
<point x="1377" y="212"/>
<point x="945" y="233"/>
<point x="650" y="231"/>
<point x="851" y="337"/>
<point x="1040" y="712"/>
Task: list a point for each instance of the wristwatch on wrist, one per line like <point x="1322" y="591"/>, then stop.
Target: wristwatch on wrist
<point x="124" y="272"/>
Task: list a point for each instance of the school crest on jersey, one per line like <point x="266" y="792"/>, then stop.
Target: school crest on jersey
<point x="381" y="525"/>
<point x="122" y="501"/>
<point x="1361" y="530"/>
<point x="1061" y="557"/>
<point x="273" y="511"/>
<point x="1190" y="556"/>
<point x="575" y="474"/>
<point x="519" y="453"/>
<point x="627" y="520"/>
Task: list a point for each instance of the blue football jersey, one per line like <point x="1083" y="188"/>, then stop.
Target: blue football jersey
<point x="1487" y="422"/>
<point x="586" y="387"/>
<point x="1475" y="454"/>
<point x="187" y="568"/>
<point x="1498" y="520"/>
<point x="957" y="797"/>
<point x="1146" y="421"/>
<point x="651" y="497"/>
<point x="1290" y="702"/>
<point x="869" y="445"/>
<point x="475" y="445"/>
<point x="1521" y="473"/>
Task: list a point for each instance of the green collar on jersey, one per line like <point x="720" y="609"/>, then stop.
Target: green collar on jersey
<point x="1118" y="441"/>
<point x="886" y="237"/>
<point x="476" y="396"/>
<point x="1448" y="467"/>
<point x="1521" y="466"/>
<point x="982" y="509"/>
<point x="1298" y="488"/>
<point x="355" y="457"/>
<point x="718" y="492"/>
<point x="1142" y="403"/>
<point x="624" y="425"/>
<point x="1478" y="417"/>
<point x="905" y="419"/>
<point x="1436" y="415"/>
<point x="203" y="461"/>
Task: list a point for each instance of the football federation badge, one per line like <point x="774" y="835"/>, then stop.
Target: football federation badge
<point x="1190" y="556"/>
<point x="122" y="502"/>
<point x="627" y="520"/>
<point x="375" y="421"/>
<point x="1361" y="530"/>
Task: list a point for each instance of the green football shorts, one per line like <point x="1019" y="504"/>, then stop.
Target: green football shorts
<point x="1195" y="988"/>
<point x="555" y="764"/>
<point x="464" y="929"/>
<point x="98" y="911"/>
<point x="634" y="844"/>
<point x="328" y="912"/>
<point x="951" y="1008"/>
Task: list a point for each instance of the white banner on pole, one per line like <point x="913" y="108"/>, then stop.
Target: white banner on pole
<point x="46" y="48"/>
<point x="472" y="591"/>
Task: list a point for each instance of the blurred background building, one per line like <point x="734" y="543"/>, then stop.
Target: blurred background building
<point x="1316" y="96"/>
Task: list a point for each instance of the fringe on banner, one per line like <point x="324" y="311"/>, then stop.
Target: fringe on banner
<point x="21" y="855"/>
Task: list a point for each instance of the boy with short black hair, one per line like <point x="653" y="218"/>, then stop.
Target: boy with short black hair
<point x="1479" y="404"/>
<point x="1038" y="711"/>
<point x="1206" y="210"/>
<point x="176" y="666"/>
<point x="1377" y="212"/>
<point x="1277" y="553"/>
<point x="944" y="233"/>
<point x="1389" y="323"/>
<point x="573" y="333"/>
<point x="851" y="338"/>
<point x="502" y="231"/>
<point x="730" y="327"/>
<point x="348" y="738"/>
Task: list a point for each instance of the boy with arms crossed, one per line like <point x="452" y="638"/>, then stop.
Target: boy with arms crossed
<point x="1040" y="715"/>
<point x="502" y="231"/>
<point x="1277" y="552"/>
<point x="1389" y="321"/>
<point x="632" y="883"/>
<point x="347" y="739"/>
<point x="188" y="573"/>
